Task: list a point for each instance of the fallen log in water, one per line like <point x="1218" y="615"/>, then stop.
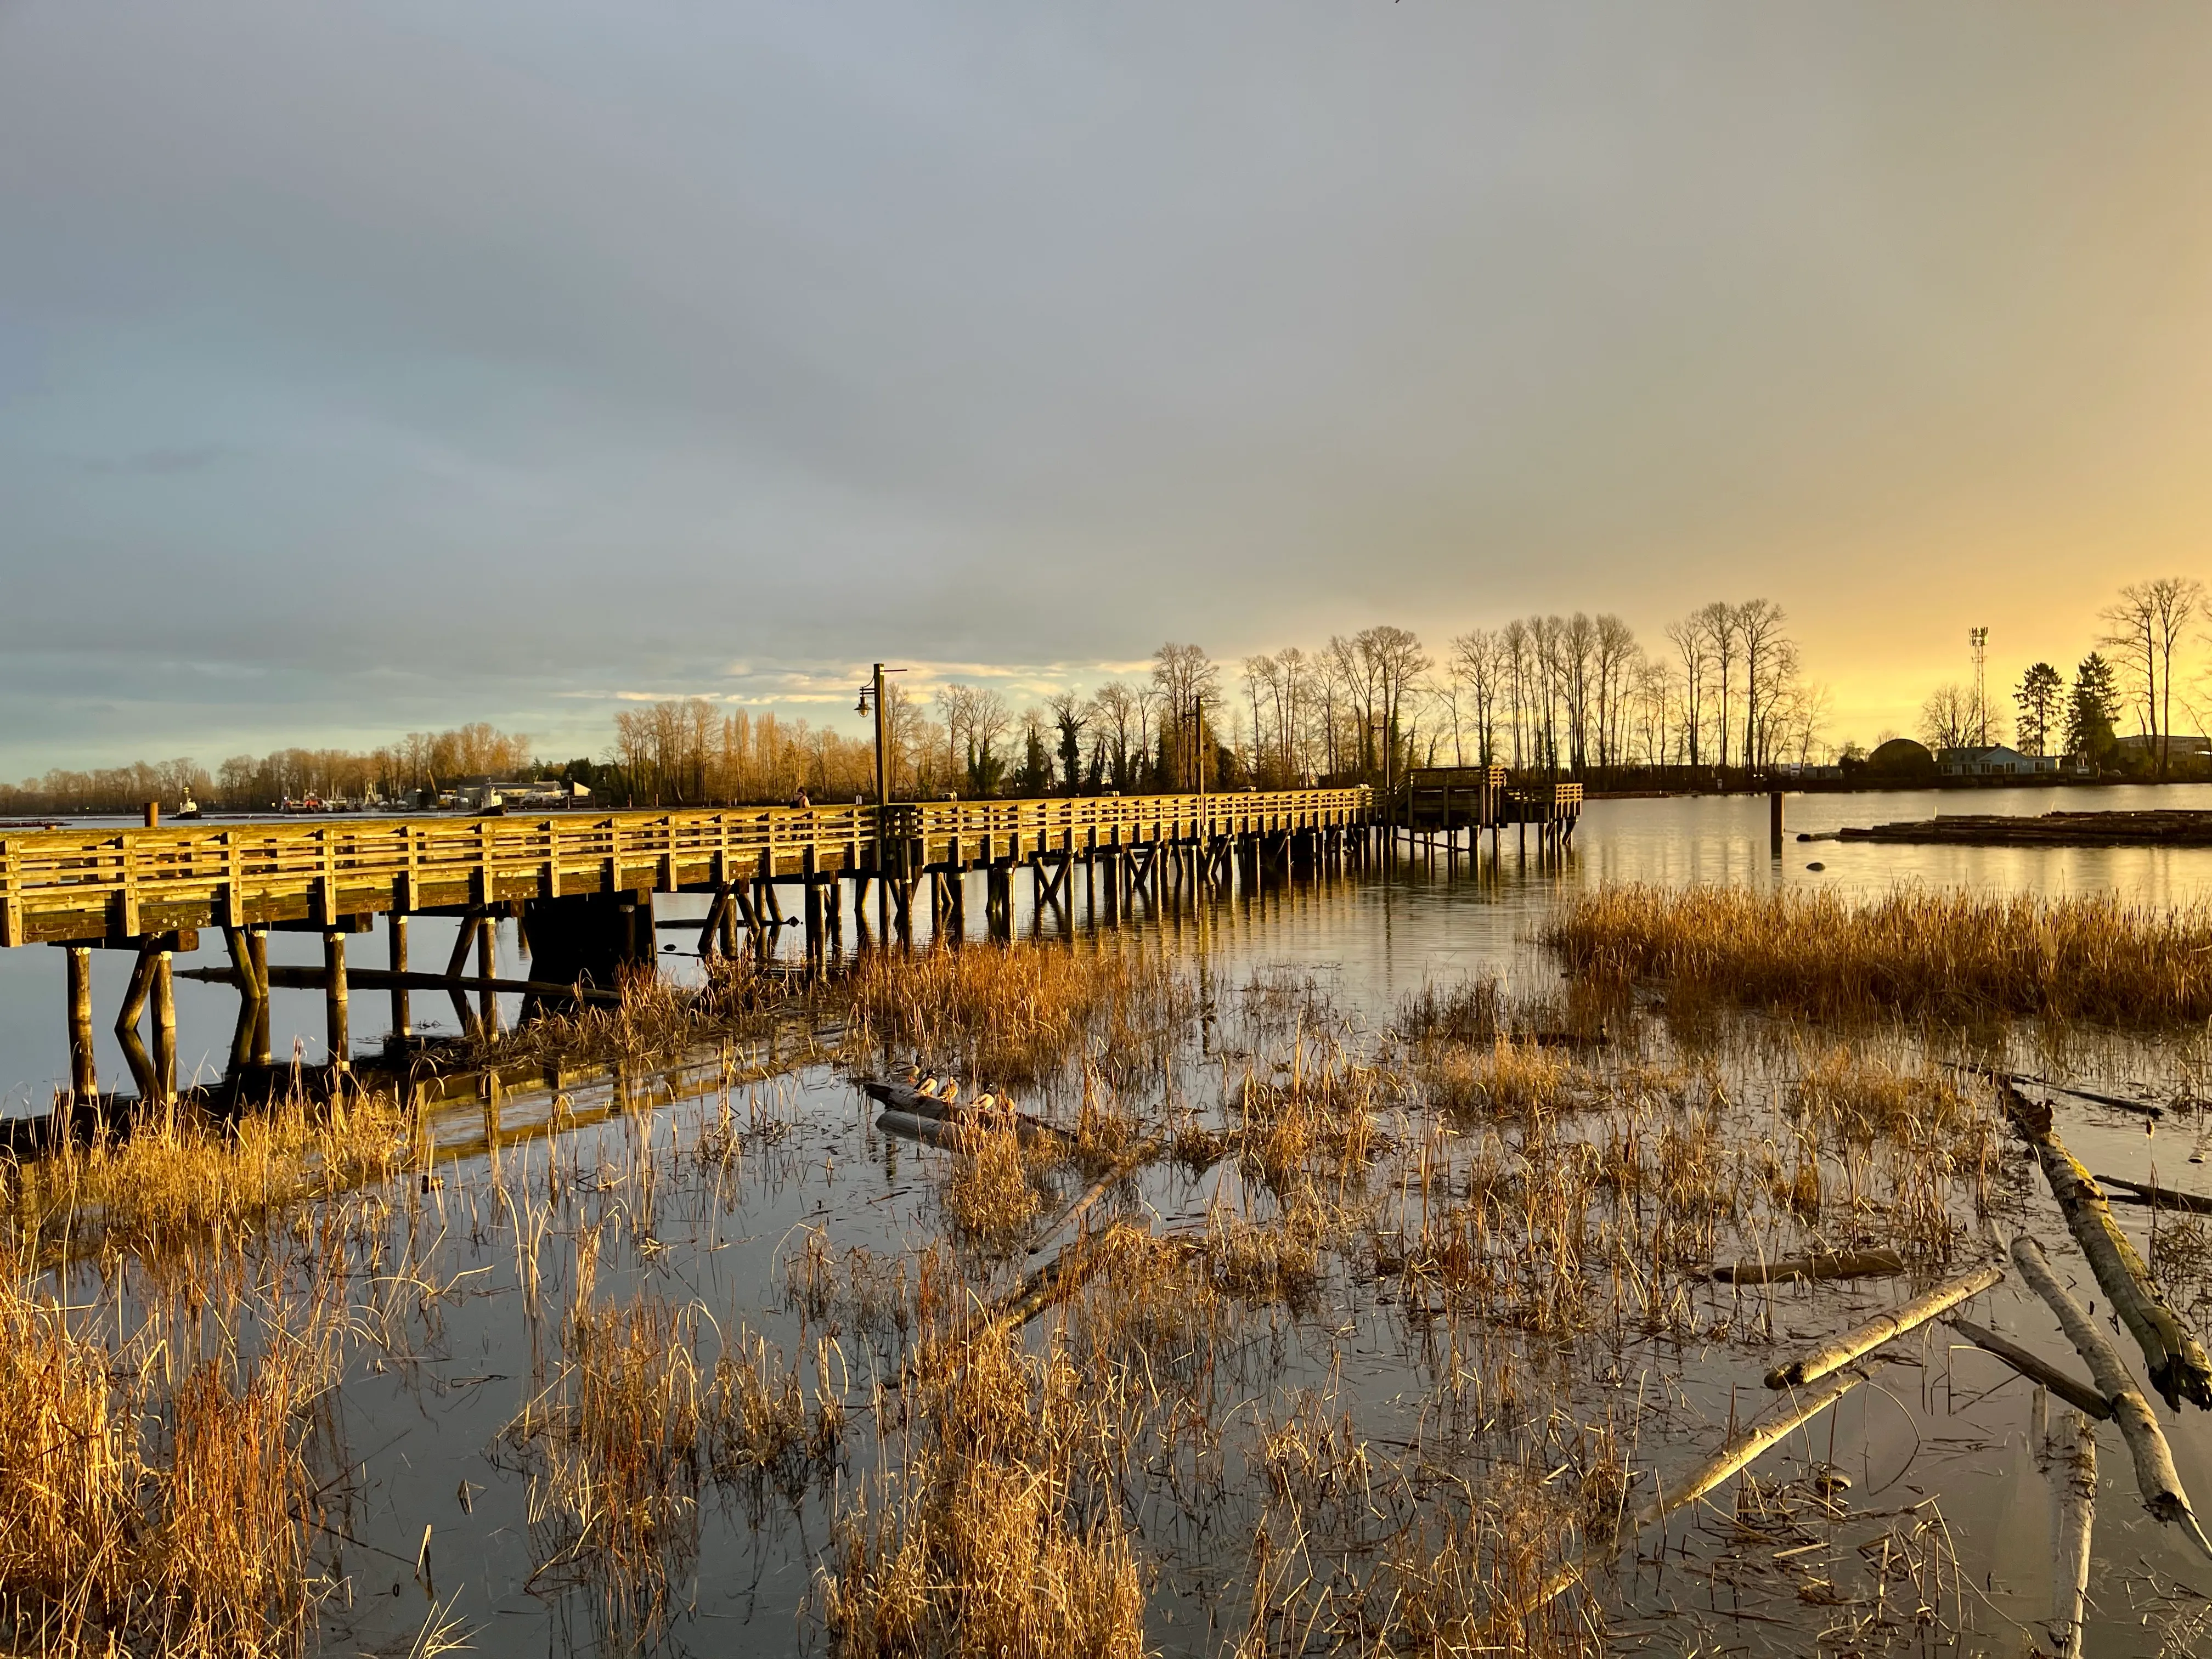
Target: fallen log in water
<point x="2075" y="1391"/>
<point x="2163" y="1197"/>
<point x="1135" y="1158"/>
<point x="1056" y="1281"/>
<point x="2179" y="1368"/>
<point x="1820" y="1264"/>
<point x="983" y="1108"/>
<point x="2067" y="1450"/>
<point x="1737" y="1455"/>
<point x="1841" y="1351"/>
<point x="2156" y="1476"/>
<point x="930" y="1130"/>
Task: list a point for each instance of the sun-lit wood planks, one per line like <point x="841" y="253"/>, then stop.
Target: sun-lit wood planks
<point x="116" y="885"/>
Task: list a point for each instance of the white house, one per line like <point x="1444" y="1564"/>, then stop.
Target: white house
<point x="1996" y="761"/>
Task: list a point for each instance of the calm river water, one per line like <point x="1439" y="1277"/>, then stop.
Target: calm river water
<point x="428" y="1409"/>
<point x="1376" y="939"/>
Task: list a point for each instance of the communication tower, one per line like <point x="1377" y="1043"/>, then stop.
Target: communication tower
<point x="1979" y="639"/>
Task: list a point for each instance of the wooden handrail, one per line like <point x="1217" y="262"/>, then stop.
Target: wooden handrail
<point x="229" y="868"/>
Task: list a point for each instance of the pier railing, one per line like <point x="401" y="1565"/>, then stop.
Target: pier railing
<point x="81" y="884"/>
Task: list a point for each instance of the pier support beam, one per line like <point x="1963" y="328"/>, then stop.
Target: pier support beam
<point x="84" y="1077"/>
<point x="402" y="1024"/>
<point x="165" y="1029"/>
<point x="337" y="1027"/>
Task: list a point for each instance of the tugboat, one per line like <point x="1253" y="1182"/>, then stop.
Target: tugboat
<point x="187" y="808"/>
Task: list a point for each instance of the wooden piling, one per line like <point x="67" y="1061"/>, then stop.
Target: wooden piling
<point x="84" y="1078"/>
<point x="488" y="968"/>
<point x="257" y="946"/>
<point x="402" y="1022"/>
<point x="165" y="1029"/>
<point x="337" y="1031"/>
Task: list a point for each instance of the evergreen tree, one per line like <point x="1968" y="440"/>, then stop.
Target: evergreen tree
<point x="2091" y="711"/>
<point x="1035" y="776"/>
<point x="2041" y="696"/>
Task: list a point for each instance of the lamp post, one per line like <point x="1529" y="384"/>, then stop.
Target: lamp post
<point x="872" y="696"/>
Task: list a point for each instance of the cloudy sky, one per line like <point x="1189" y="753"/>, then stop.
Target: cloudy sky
<point x="373" y="367"/>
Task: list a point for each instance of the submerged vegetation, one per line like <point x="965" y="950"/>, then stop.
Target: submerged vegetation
<point x="1194" y="1314"/>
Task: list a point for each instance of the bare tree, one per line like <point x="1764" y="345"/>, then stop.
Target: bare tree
<point x="1185" y="677"/>
<point x="1949" y="718"/>
<point x="1758" y="629"/>
<point x="2147" y="624"/>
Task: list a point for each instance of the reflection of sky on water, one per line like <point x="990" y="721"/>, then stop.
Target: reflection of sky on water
<point x="1374" y="939"/>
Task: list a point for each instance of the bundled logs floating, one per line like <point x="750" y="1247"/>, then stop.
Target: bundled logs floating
<point x="2159" y="829"/>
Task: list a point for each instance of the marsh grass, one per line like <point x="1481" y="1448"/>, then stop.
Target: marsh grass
<point x="991" y="1195"/>
<point x="1013" y="1015"/>
<point x="182" y="1187"/>
<point x="996" y="1536"/>
<point x="657" y="1018"/>
<point x="1914" y="953"/>
<point x="139" y="1516"/>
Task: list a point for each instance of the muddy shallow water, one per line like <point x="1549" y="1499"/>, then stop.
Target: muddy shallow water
<point x="1316" y="1430"/>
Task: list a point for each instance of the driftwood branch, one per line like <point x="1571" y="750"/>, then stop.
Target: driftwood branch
<point x="2075" y="1391"/>
<point x="2163" y="1197"/>
<point x="1135" y="1158"/>
<point x="1820" y="1264"/>
<point x="2156" y="1476"/>
<point x="1840" y="1351"/>
<point x="2179" y="1368"/>
<point x="1739" y="1454"/>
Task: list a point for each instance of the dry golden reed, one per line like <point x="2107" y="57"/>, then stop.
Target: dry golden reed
<point x="1913" y="952"/>
<point x="1013" y="1014"/>
<point x="983" y="1547"/>
<point x="180" y="1183"/>
<point x="126" y="1517"/>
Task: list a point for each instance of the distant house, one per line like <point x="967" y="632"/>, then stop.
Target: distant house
<point x="2187" y="751"/>
<point x="1995" y="761"/>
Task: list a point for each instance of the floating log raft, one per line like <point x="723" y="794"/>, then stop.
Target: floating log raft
<point x="2179" y="1368"/>
<point x="2155" y="829"/>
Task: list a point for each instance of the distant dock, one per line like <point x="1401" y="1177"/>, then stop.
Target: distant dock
<point x="2153" y="829"/>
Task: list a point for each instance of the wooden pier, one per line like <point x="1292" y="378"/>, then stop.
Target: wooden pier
<point x="581" y="886"/>
<point x="1448" y="808"/>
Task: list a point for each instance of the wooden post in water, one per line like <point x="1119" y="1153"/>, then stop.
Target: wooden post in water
<point x="337" y="1025"/>
<point x="1774" y="820"/>
<point x="165" y="1029"/>
<point x="808" y="863"/>
<point x="488" y="968"/>
<point x="257" y="946"/>
<point x="153" y="815"/>
<point x="402" y="1024"/>
<point x="84" y="1079"/>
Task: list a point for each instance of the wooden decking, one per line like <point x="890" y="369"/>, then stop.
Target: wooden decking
<point x="114" y="886"/>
